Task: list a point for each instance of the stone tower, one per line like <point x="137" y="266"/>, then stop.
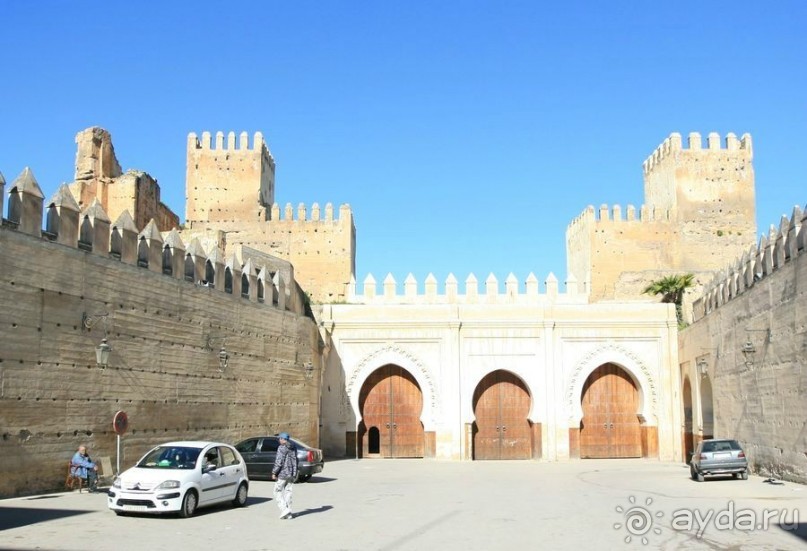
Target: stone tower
<point x="228" y="182"/>
<point x="698" y="212"/>
<point x="230" y="188"/>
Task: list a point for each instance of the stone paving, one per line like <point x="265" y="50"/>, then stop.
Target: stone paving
<point x="414" y="504"/>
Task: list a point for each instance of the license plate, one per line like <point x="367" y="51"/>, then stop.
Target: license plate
<point x="135" y="507"/>
<point x="722" y="455"/>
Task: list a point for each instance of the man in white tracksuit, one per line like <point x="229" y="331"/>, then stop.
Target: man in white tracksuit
<point x="284" y="472"/>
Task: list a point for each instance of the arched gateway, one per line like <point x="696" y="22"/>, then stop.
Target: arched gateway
<point x="501" y="430"/>
<point x="391" y="403"/>
<point x="610" y="425"/>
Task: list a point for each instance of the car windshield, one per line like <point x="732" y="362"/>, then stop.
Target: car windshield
<point x="170" y="457"/>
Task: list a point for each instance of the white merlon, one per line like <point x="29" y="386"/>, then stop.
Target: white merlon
<point x="512" y="294"/>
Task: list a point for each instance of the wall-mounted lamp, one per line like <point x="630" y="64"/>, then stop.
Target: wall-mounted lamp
<point x="102" y="353"/>
<point x="224" y="358"/>
<point x="748" y="350"/>
<point x="102" y="350"/>
<point x="309" y="370"/>
<point x="703" y="367"/>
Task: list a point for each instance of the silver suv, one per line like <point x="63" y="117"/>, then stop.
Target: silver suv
<point x="716" y="457"/>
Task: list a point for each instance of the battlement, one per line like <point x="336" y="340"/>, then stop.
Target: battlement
<point x="674" y="145"/>
<point x="302" y="214"/>
<point x="230" y="144"/>
<point x="492" y="294"/>
<point x="614" y="213"/>
<point x="774" y="250"/>
<point x="90" y="230"/>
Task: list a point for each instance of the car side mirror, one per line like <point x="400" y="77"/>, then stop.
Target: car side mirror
<point x="208" y="467"/>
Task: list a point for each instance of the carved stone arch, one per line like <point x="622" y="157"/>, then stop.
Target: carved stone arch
<point x="626" y="359"/>
<point x="394" y="354"/>
<point x="535" y="414"/>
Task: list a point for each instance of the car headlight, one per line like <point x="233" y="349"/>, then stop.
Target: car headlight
<point x="168" y="484"/>
<point x="116" y="482"/>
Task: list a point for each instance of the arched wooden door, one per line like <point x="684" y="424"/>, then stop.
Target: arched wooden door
<point x="391" y="402"/>
<point x="501" y="406"/>
<point x="610" y="426"/>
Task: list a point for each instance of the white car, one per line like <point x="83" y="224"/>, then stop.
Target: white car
<point x="179" y="477"/>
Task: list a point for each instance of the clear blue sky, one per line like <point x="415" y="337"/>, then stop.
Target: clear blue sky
<point x="465" y="135"/>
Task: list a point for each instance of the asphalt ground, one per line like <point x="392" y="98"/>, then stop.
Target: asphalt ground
<point x="399" y="504"/>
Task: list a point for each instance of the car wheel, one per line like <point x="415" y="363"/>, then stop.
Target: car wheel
<point x="241" y="495"/>
<point x="692" y="473"/>
<point x="120" y="513"/>
<point x="744" y="475"/>
<point x="189" y="503"/>
<point x="304" y="478"/>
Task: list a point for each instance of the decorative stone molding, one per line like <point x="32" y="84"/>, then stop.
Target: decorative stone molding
<point x="627" y="359"/>
<point x="394" y="354"/>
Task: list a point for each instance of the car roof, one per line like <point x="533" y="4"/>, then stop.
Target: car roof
<point x="192" y="444"/>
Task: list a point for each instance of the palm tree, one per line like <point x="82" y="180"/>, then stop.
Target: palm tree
<point x="672" y="288"/>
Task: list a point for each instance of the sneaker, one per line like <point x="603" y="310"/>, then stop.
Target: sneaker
<point x="287" y="516"/>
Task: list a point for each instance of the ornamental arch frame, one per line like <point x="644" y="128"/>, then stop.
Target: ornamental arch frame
<point x="629" y="362"/>
<point x="395" y="355"/>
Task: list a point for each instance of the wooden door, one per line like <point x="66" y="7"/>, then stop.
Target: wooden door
<point x="501" y="406"/>
<point x="392" y="403"/>
<point x="610" y="426"/>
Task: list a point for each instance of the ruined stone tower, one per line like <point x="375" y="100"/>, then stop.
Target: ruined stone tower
<point x="699" y="211"/>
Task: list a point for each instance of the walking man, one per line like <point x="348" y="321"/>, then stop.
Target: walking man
<point x="284" y="473"/>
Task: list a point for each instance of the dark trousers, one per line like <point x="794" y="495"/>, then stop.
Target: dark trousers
<point x="92" y="479"/>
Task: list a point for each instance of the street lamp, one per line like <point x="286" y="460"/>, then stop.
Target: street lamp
<point x="102" y="350"/>
<point x="223" y="356"/>
<point x="102" y="353"/>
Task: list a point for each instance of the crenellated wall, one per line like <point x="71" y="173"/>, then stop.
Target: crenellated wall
<point x="230" y="187"/>
<point x="166" y="309"/>
<point x="745" y="354"/>
<point x="491" y="293"/>
<point x="699" y="210"/>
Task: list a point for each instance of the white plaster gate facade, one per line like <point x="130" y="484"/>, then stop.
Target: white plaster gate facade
<point x="499" y="375"/>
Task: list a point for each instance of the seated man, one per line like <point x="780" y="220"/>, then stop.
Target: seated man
<point x="84" y="467"/>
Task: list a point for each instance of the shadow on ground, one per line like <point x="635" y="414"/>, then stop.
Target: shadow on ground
<point x="313" y="511"/>
<point x="795" y="529"/>
<point x="14" y="517"/>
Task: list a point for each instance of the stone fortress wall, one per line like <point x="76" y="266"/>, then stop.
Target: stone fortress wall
<point x="81" y="278"/>
<point x="699" y="211"/>
<point x="230" y="187"/>
<point x="745" y="353"/>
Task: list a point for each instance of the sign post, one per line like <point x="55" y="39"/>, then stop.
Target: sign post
<point x="120" y="422"/>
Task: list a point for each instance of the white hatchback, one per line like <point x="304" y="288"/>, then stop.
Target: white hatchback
<point x="180" y="477"/>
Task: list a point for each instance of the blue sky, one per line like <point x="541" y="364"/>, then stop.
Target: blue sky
<point x="464" y="135"/>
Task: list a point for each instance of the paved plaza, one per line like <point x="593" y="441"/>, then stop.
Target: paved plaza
<point x="394" y="504"/>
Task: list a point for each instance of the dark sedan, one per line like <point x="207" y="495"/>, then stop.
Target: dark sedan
<point x="259" y="455"/>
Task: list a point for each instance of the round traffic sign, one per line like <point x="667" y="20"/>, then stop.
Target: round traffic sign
<point x="120" y="422"/>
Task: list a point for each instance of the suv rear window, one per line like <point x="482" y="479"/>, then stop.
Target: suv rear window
<point x="721" y="446"/>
